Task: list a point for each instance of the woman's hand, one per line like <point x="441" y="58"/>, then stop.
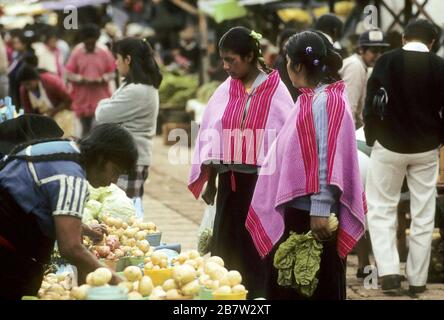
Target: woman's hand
<point x="95" y="232"/>
<point x="211" y="190"/>
<point x="319" y="228"/>
<point x="115" y="280"/>
<point x="209" y="194"/>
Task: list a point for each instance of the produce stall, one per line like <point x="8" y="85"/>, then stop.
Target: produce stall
<point x="150" y="270"/>
<point x="185" y="276"/>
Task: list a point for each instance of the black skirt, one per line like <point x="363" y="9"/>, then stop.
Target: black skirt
<point x="231" y="239"/>
<point x="332" y="273"/>
<point x="22" y="261"/>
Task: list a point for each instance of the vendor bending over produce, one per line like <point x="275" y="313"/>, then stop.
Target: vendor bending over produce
<point x="43" y="189"/>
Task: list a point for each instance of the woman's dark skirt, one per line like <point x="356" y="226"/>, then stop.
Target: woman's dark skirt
<point x="231" y="239"/>
<point x="332" y="273"/>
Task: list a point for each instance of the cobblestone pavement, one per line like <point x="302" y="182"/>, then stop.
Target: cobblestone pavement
<point x="172" y="207"/>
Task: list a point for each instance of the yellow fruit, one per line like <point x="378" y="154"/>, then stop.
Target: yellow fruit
<point x="145" y="286"/>
<point x="101" y="277"/>
<point x="131" y="232"/>
<point x="183" y="274"/>
<point x="238" y="289"/>
<point x="151" y="226"/>
<point x="79" y="293"/>
<point x="141" y="235"/>
<point x="169" y="284"/>
<point x="143" y="245"/>
<point x="193" y="254"/>
<point x="234" y="278"/>
<point x="89" y="279"/>
<point x="135" y="286"/>
<point x="200" y="261"/>
<point x="134" y="296"/>
<point x="173" y="294"/>
<point x="158" y="294"/>
<point x="44" y="285"/>
<point x="149" y="266"/>
<point x="192" y="263"/>
<point x="131" y="242"/>
<point x="164" y="264"/>
<point x="118" y="223"/>
<point x="157" y="257"/>
<point x="333" y="222"/>
<point x="120" y="232"/>
<point x="223" y="290"/>
<point x="131" y="220"/>
<point x="132" y="273"/>
<point x="56" y="288"/>
<point x="182" y="258"/>
<point x="138" y="253"/>
<point x="217" y="260"/>
<point x="191" y="288"/>
<point x="126" y="284"/>
<point x="218" y="273"/>
<point x="203" y="279"/>
<point x="210" y="266"/>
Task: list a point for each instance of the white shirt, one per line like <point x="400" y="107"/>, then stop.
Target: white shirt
<point x="415" y="46"/>
<point x="354" y="72"/>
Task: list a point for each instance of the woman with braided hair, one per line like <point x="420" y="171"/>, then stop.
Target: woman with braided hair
<point x="242" y="118"/>
<point x="316" y="174"/>
<point x="135" y="105"/>
<point x="43" y="191"/>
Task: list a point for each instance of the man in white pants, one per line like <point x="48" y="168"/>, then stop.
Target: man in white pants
<point x="406" y="132"/>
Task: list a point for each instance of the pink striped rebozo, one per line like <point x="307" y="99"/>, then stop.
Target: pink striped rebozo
<point x="295" y="156"/>
<point x="227" y="136"/>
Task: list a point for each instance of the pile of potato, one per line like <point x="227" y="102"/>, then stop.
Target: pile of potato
<point x="55" y="287"/>
<point x="218" y="279"/>
<point x="124" y="239"/>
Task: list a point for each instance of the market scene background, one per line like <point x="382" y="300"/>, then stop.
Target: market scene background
<point x="184" y="36"/>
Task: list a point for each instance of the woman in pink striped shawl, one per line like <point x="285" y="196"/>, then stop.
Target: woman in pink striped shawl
<point x="240" y="122"/>
<point x="316" y="174"/>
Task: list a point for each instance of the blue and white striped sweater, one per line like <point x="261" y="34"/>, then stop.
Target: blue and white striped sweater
<point x="323" y="203"/>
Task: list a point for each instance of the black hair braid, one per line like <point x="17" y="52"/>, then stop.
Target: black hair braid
<point x="260" y="57"/>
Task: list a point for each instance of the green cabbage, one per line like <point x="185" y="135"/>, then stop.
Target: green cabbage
<point x="109" y="200"/>
<point x="117" y="204"/>
<point x="98" y="194"/>
<point x="91" y="211"/>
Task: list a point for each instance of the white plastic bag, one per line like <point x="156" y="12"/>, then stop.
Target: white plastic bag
<point x="139" y="207"/>
<point x="205" y="232"/>
<point x="208" y="218"/>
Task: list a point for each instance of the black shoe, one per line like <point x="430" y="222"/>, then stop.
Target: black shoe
<point x="391" y="282"/>
<point x="417" y="289"/>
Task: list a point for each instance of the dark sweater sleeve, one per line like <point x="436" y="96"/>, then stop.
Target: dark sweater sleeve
<point x="369" y="115"/>
<point x="440" y="82"/>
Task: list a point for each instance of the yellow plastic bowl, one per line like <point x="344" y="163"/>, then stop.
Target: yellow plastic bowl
<point x="159" y="276"/>
<point x="230" y="296"/>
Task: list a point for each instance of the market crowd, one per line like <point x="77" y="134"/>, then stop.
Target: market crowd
<point x="356" y="131"/>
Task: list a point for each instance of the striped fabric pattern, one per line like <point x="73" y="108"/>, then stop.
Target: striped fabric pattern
<point x="307" y="134"/>
<point x="335" y="111"/>
<point x="265" y="221"/>
<point x="239" y="128"/>
<point x="73" y="194"/>
<point x="260" y="237"/>
<point x="243" y="137"/>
